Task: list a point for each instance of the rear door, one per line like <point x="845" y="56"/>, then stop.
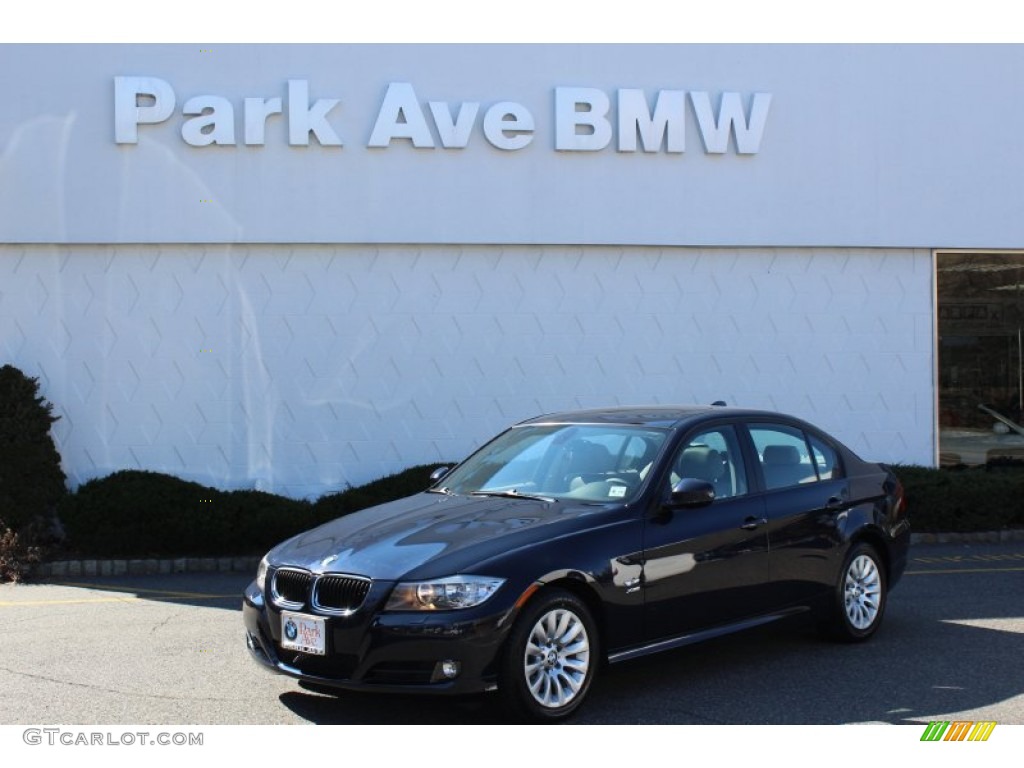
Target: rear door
<point x="805" y="491"/>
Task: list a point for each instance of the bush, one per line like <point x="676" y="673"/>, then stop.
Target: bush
<point x="16" y="557"/>
<point x="964" y="499"/>
<point x="139" y="514"/>
<point x="31" y="479"/>
<point x="397" y="486"/>
<point x="148" y="514"/>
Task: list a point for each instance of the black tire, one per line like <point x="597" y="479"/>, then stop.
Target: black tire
<point x="860" y="596"/>
<point x="550" y="658"/>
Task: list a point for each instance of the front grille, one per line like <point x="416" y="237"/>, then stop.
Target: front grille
<point x="291" y="587"/>
<point x="337" y="593"/>
<point x="341" y="594"/>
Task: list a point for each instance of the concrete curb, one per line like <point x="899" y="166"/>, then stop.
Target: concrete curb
<point x="61" y="569"/>
<point x="143" y="567"/>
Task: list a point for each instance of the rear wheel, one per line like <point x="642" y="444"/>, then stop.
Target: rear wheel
<point x="550" y="658"/>
<point x="860" y="595"/>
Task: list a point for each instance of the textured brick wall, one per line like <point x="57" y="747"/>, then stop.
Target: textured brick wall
<point x="299" y="369"/>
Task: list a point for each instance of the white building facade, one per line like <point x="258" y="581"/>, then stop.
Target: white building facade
<point x="300" y="267"/>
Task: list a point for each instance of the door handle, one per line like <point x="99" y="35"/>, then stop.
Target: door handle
<point x="753" y="522"/>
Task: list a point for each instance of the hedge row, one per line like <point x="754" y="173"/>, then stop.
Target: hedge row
<point x="964" y="499"/>
<point x="143" y="514"/>
<point x="147" y="514"/>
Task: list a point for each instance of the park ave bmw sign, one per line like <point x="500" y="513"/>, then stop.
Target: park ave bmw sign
<point x="585" y="119"/>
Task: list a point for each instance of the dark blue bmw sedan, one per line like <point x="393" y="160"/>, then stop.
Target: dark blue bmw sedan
<point x="575" y="539"/>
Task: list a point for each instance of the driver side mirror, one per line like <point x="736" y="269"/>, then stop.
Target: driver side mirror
<point x="438" y="473"/>
<point x="690" y="493"/>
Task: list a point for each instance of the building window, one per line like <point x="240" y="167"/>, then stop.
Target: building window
<point x="980" y="367"/>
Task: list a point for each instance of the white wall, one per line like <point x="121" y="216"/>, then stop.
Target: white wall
<point x="297" y="369"/>
<point x="863" y="145"/>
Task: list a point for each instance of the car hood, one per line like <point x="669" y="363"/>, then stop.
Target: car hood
<point x="429" y="535"/>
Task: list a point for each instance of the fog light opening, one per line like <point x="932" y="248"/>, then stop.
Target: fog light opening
<point x="448" y="669"/>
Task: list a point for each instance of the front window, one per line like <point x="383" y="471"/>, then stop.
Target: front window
<point x="713" y="456"/>
<point x="585" y="462"/>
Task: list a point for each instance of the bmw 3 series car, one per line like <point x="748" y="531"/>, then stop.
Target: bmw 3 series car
<point x="577" y="539"/>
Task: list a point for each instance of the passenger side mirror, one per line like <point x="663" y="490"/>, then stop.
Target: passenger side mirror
<point x="690" y="493"/>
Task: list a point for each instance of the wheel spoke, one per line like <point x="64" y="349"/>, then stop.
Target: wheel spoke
<point x="571" y="633"/>
<point x="563" y="625"/>
<point x="579" y="647"/>
<point x="576" y="665"/>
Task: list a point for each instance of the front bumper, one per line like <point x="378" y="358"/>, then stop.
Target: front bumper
<point x="385" y="652"/>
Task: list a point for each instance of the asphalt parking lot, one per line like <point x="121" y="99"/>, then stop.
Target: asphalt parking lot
<point x="170" y="650"/>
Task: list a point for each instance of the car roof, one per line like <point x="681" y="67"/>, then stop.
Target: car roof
<point x="649" y="415"/>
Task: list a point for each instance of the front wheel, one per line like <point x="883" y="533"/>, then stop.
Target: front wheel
<point x="860" y="595"/>
<point x="550" y="658"/>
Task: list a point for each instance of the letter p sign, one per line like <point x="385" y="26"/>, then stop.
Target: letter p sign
<point x="128" y="113"/>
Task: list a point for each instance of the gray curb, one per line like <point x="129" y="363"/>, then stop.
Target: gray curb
<point x="138" y="567"/>
<point x="79" y="568"/>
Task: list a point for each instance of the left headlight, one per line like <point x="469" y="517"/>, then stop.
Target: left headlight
<point x="449" y="593"/>
<point x="261" y="573"/>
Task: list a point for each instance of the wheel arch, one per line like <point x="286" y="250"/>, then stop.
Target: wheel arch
<point x="876" y="539"/>
<point x="582" y="587"/>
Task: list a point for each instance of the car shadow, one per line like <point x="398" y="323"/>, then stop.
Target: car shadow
<point x="207" y="590"/>
<point x="920" y="665"/>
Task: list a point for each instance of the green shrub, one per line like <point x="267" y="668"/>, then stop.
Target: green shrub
<point x="31" y="479"/>
<point x="257" y="520"/>
<point x="963" y="499"/>
<point x="397" y="486"/>
<point x="134" y="513"/>
<point x="143" y="514"/>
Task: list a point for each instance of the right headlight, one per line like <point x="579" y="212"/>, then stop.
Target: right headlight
<point x="261" y="573"/>
<point x="445" y="594"/>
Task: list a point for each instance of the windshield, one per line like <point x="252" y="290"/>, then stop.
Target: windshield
<point x="587" y="462"/>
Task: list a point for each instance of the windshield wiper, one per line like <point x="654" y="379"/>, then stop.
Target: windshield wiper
<point x="445" y="491"/>
<point x="512" y="493"/>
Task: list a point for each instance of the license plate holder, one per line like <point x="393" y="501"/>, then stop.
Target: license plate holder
<point x="304" y="633"/>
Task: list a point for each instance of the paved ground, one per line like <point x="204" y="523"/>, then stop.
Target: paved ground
<point x="170" y="649"/>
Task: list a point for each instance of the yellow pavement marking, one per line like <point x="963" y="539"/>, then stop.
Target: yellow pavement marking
<point x="961" y="570"/>
<point x="970" y="558"/>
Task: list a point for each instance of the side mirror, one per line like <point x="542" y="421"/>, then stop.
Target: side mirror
<point x="690" y="492"/>
<point x="438" y="473"/>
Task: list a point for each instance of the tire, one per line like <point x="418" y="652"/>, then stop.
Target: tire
<point x="550" y="658"/>
<point x="860" y="595"/>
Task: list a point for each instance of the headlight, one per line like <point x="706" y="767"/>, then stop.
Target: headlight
<point x="261" y="573"/>
<point x="449" y="593"/>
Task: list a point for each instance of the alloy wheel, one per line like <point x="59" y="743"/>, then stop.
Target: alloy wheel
<point x="556" y="658"/>
<point x="863" y="592"/>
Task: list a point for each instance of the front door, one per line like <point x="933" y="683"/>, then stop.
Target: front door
<point x="709" y="565"/>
